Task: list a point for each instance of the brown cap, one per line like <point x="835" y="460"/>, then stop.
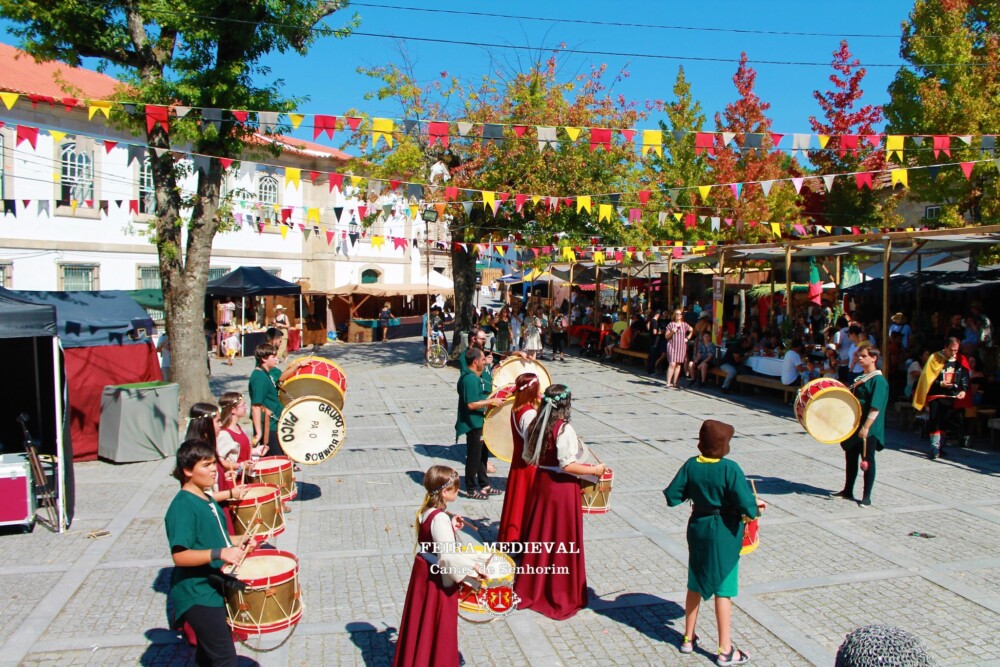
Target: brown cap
<point x="898" y="318"/>
<point x="714" y="437"/>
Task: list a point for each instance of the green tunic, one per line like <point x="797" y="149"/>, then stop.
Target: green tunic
<point x="195" y="523"/>
<point x="471" y="388"/>
<point x="714" y="540"/>
<point x="871" y="394"/>
<point x="264" y="391"/>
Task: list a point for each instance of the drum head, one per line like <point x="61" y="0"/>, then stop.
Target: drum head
<point x="311" y="430"/>
<point x="261" y="566"/>
<point x="832" y="415"/>
<point x="507" y="372"/>
<point x="497" y="433"/>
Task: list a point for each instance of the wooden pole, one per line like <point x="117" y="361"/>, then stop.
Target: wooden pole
<point x="885" y="301"/>
<point x="836" y="279"/>
<point x="788" y="281"/>
<point x="770" y="316"/>
<point x="681" y="286"/>
<point x="916" y="309"/>
<point x="670" y="282"/>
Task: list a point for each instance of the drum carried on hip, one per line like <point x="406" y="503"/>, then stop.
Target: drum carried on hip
<point x="494" y="594"/>
<point x="751" y="538"/>
<point x="259" y="512"/>
<point x="827" y="410"/>
<point x="318" y="377"/>
<point x="596" y="496"/>
<point x="497" y="434"/>
<point x="276" y="470"/>
<point x="311" y="430"/>
<point x="508" y="370"/>
<point x="272" y="599"/>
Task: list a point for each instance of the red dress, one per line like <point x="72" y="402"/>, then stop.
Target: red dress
<point x="519" y="483"/>
<point x="222" y="480"/>
<point x="428" y="633"/>
<point x="555" y="515"/>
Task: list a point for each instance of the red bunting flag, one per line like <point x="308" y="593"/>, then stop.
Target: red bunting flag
<point x="873" y="140"/>
<point x="634" y="214"/>
<point x="362" y="212"/>
<point x="439" y="132"/>
<point x="776" y="139"/>
<point x="600" y="137"/>
<point x="504" y="196"/>
<point x="69" y="103"/>
<point x="519" y="200"/>
<point x="628" y="134"/>
<point x="329" y="237"/>
<point x="336" y="181"/>
<point x="133" y="206"/>
<point x="967" y="169"/>
<point x="353" y="123"/>
<point x="26" y="133"/>
<point x="323" y="124"/>
<point x="644" y="196"/>
<point x="942" y="144"/>
<point x="848" y="143"/>
<point x="519" y="130"/>
<point x="157" y="115"/>
<point x="863" y="179"/>
<point x="689" y="221"/>
<point x="393" y="184"/>
<point x="450" y="193"/>
<point x="109" y="145"/>
<point x="225" y="162"/>
<point x="241" y="116"/>
<point x="313" y="175"/>
<point x="704" y="142"/>
<point x="568" y="201"/>
<point x="35" y="99"/>
<point x="286" y="213"/>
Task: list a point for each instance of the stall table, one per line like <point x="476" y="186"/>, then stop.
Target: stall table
<point x="765" y="365"/>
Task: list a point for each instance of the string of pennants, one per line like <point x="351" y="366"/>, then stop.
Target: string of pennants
<point x="612" y="205"/>
<point x="442" y="131"/>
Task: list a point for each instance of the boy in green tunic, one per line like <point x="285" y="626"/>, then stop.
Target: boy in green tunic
<point x="721" y="497"/>
<point x="872" y="391"/>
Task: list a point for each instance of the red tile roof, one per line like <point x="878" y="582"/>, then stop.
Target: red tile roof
<point x="20" y="73"/>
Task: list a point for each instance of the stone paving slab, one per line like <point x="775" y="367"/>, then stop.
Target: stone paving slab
<point x="824" y="566"/>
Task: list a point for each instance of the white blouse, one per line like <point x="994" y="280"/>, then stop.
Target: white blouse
<point x="455" y="563"/>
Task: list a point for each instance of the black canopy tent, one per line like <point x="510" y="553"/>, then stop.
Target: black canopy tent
<point x="251" y="281"/>
<point x="34" y="358"/>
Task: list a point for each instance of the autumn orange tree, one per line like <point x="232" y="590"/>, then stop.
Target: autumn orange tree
<point x="512" y="159"/>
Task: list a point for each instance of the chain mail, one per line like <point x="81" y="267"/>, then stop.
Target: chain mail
<point x="881" y="645"/>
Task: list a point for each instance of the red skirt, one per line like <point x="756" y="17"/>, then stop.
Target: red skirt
<point x="519" y="484"/>
<point x="225" y="484"/>
<point x="428" y="633"/>
<point x="555" y="519"/>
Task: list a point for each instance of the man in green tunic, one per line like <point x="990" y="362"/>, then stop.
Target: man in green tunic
<point x="872" y="391"/>
<point x="721" y="497"/>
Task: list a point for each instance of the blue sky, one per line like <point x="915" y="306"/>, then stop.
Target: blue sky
<point x="718" y="29"/>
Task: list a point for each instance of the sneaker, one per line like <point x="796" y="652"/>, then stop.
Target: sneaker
<point x="846" y="495"/>
<point x="687" y="646"/>
<point x="865" y="502"/>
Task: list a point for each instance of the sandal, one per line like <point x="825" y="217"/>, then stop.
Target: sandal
<point x="478" y="495"/>
<point x="490" y="491"/>
<point x="731" y="658"/>
<point x="687" y="646"/>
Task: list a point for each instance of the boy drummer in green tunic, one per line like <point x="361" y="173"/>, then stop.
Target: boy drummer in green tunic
<point x="721" y="497"/>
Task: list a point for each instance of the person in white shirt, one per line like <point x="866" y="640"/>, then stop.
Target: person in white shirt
<point x="792" y="365"/>
<point x="843" y="341"/>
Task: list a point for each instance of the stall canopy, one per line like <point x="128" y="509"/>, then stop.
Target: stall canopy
<point x="34" y="357"/>
<point x="251" y="281"/>
<point x="106" y="338"/>
<point x="439" y="284"/>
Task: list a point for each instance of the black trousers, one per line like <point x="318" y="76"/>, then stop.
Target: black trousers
<point x="475" y="461"/>
<point x="558" y="342"/>
<point x="274" y="442"/>
<point x="939" y="410"/>
<point x="215" y="642"/>
<point x="852" y="457"/>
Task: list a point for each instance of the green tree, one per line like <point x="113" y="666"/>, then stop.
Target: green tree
<point x="950" y="87"/>
<point x="513" y="165"/>
<point x="180" y="53"/>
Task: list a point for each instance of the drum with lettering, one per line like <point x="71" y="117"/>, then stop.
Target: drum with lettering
<point x="751" y="538"/>
<point x="276" y="470"/>
<point x="596" y="496"/>
<point x="272" y="600"/>
<point x="827" y="410"/>
<point x="311" y="430"/>
<point x="499" y="580"/>
<point x="508" y="370"/>
<point x="497" y="434"/>
<point x="317" y="377"/>
<point x="259" y="512"/>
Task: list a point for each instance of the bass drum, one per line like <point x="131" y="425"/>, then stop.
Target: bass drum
<point x="318" y="377"/>
<point x="506" y="373"/>
<point x="497" y="435"/>
<point x="311" y="430"/>
<point x="827" y="410"/>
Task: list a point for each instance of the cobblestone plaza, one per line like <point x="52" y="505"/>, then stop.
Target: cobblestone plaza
<point x="924" y="558"/>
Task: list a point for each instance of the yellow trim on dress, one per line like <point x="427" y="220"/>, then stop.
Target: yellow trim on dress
<point x="705" y="459"/>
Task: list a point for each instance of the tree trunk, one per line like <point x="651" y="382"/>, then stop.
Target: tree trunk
<point x="463" y="265"/>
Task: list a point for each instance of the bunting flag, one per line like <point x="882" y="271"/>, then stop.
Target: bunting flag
<point x="382" y="129"/>
<point x="766" y="186"/>
<point x="894" y="146"/>
<point x="704" y="142"/>
<point x="464" y="128"/>
<point x="157" y="115"/>
<point x="438" y="132"/>
<point x="942" y="144"/>
<point x="797" y="182"/>
<point x="737" y="188"/>
<point x="899" y="176"/>
<point x="377" y="242"/>
<point x="547" y="138"/>
<point x="297" y="118"/>
<point x="26" y="133"/>
<point x="800" y="142"/>
<point x="776" y="230"/>
<point x="600" y="138"/>
<point x="703" y="191"/>
<point x="572" y="132"/>
<point x="489" y="201"/>
<point x="863" y="179"/>
<point x="98" y="106"/>
<point x="493" y="133"/>
<point x="847" y="143"/>
<point x="967" y="169"/>
<point x="644" y="196"/>
<point x="604" y="212"/>
<point x="727" y="138"/>
<point x="583" y="203"/>
<point x="293" y="177"/>
<point x="652" y="141"/>
<point x="322" y="123"/>
<point x="9" y="99"/>
<point x="828" y="182"/>
<point x="824" y="139"/>
<point x="598" y="258"/>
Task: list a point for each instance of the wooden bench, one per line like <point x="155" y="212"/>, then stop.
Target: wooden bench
<point x="629" y="353"/>
<point x="719" y="375"/>
<point x="767" y="383"/>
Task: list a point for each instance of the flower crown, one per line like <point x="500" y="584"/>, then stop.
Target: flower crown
<point x="451" y="480"/>
<point x="552" y="400"/>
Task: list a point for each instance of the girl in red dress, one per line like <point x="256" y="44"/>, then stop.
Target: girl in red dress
<point x="204" y="424"/>
<point x="428" y="633"/>
<point x="553" y="581"/>
<point x="522" y="472"/>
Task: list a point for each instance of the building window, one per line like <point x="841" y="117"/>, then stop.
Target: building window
<point x="6" y="271"/>
<point x="215" y="273"/>
<point x="79" y="277"/>
<point x="267" y="190"/>
<point x="369" y="276"/>
<point x="149" y="278"/>
<point x="147" y="192"/>
<point x="932" y="212"/>
<point x="77" y="176"/>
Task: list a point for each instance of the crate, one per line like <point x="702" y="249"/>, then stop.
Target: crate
<point x="17" y="497"/>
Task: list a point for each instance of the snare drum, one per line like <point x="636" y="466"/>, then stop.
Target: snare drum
<point x="276" y="470"/>
<point x="597" y="496"/>
<point x="827" y="410"/>
<point x="259" y="511"/>
<point x="499" y="576"/>
<point x="497" y="434"/>
<point x="508" y="370"/>
<point x="273" y="598"/>
<point x="311" y="430"/>
<point x="751" y="538"/>
<point x="318" y="377"/>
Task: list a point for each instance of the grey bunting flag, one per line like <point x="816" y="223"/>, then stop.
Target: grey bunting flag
<point x="987" y="145"/>
<point x="43" y="207"/>
<point x="409" y="125"/>
<point x="766" y="187"/>
<point x="918" y="141"/>
<point x="467" y="205"/>
<point x="679" y="136"/>
<point x="414" y="191"/>
<point x="465" y="128"/>
<point x="136" y="153"/>
<point x="203" y="163"/>
<point x="546" y="138"/>
<point x="753" y="141"/>
<point x="213" y="116"/>
<point x="267" y="121"/>
<point x="493" y="133"/>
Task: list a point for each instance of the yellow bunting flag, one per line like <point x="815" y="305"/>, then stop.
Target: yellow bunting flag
<point x="678" y="216"/>
<point x="73" y="204"/>
<point x="56" y="177"/>
<point x="356" y="181"/>
<point x="95" y="106"/>
<point x="535" y="199"/>
<point x="296" y="119"/>
<point x="413" y="210"/>
<point x="604" y="212"/>
<point x="572" y="132"/>
<point x="824" y="139"/>
<point x="583" y="203"/>
<point x="9" y="99"/>
<point x="598" y="258"/>
<point x="652" y="140"/>
<point x="57" y="136"/>
<point x="377" y="241"/>
<point x="894" y="145"/>
<point x="703" y="190"/>
<point x="382" y="128"/>
<point x="490" y="200"/>
<point x="568" y="254"/>
<point x="293" y="177"/>
<point x="284" y="231"/>
<point x="899" y="176"/>
<point x="776" y="229"/>
<point x="312" y="214"/>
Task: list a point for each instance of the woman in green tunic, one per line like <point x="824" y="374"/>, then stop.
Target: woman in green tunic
<point x="721" y="497"/>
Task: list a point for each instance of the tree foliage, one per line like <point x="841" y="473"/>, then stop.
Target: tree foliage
<point x="186" y="53"/>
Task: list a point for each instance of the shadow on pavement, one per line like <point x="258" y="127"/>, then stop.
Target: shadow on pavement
<point x="377" y="646"/>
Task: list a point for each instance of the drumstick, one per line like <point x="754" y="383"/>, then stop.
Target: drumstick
<point x="233" y="569"/>
<point x="864" y="454"/>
